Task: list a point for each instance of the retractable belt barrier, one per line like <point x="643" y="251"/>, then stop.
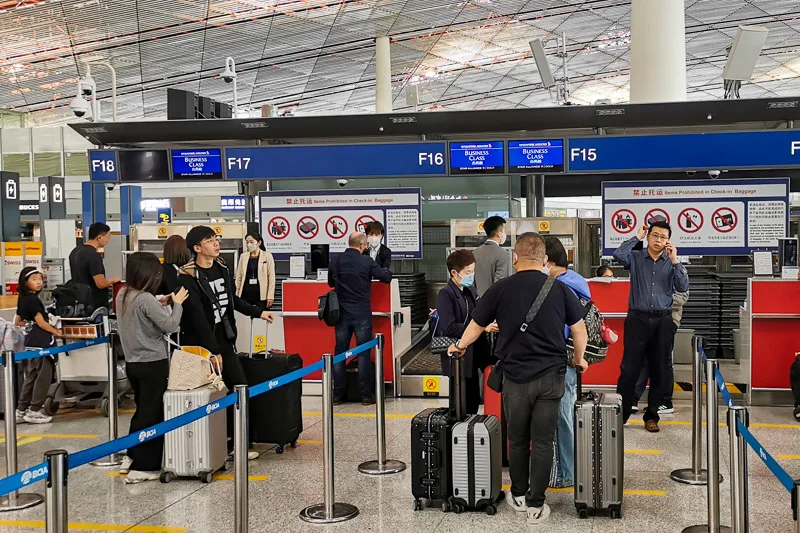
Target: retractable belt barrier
<point x="55" y="350"/>
<point x="39" y="472"/>
<point x="770" y="462"/>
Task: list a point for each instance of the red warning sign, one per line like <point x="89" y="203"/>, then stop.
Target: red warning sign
<point x="308" y="227"/>
<point x="361" y="223"/>
<point x="690" y="220"/>
<point x="724" y="219"/>
<point x="623" y="221"/>
<point x="278" y="228"/>
<point x="336" y="227"/>
<point x="655" y="215"/>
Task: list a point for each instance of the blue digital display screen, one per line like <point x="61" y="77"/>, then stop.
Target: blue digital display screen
<point x="337" y="161"/>
<point x="701" y="151"/>
<point x="103" y="166"/>
<point x="197" y="164"/>
<point x="477" y="158"/>
<point x="545" y="154"/>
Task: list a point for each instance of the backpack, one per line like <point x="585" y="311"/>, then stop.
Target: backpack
<point x="794" y="380"/>
<point x="328" y="308"/>
<point x="73" y="300"/>
<point x="596" y="346"/>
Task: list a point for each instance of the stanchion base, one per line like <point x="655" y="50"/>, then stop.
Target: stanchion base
<point x="704" y="529"/>
<point x="112" y="460"/>
<point x="23" y="500"/>
<point x="688" y="477"/>
<point x="341" y="513"/>
<point x="374" y="468"/>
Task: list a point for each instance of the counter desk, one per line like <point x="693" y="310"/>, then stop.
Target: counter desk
<point x="770" y="326"/>
<point x="611" y="298"/>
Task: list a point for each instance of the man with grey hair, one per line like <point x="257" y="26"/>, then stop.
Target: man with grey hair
<point x="533" y="358"/>
<point x="351" y="274"/>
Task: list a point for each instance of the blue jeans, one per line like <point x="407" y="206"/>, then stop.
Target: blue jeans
<point x="362" y="328"/>
<point x="565" y="430"/>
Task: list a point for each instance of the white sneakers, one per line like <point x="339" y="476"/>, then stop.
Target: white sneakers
<point x="535" y="515"/>
<point x="665" y="410"/>
<point x="126" y="465"/>
<point x="35" y="417"/>
<point x="251" y="455"/>
<point x="137" y="476"/>
<point x="20" y="416"/>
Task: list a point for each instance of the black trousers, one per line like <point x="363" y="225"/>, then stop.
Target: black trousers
<point x="232" y="375"/>
<point x="149" y="383"/>
<point x="648" y="341"/>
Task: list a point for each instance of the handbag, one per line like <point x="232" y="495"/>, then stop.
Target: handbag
<point x="191" y="367"/>
<point x="328" y="308"/>
<point x="495" y="381"/>
<point x="439" y="345"/>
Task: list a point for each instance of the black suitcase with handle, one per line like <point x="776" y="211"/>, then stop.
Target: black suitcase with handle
<point x="276" y="417"/>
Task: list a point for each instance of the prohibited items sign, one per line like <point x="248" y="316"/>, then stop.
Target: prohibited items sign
<point x="624" y="221"/>
<point x="278" y="228"/>
<point x="690" y="220"/>
<point x="336" y="227"/>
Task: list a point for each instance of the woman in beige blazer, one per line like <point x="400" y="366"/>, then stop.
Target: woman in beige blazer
<point x="255" y="274"/>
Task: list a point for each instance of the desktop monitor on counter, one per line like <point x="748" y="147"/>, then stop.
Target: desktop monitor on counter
<point x="320" y="257"/>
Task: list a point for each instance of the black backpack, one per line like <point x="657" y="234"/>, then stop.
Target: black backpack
<point x="328" y="308"/>
<point x="73" y="300"/>
<point x="794" y="380"/>
<point x="596" y="347"/>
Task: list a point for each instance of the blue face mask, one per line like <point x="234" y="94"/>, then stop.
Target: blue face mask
<point x="468" y="280"/>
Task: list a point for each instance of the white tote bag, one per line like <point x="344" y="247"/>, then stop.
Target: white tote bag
<point x="191" y="367"/>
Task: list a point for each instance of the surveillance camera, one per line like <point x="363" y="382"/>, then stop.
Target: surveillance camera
<point x="690" y="172"/>
<point x="341" y="183"/>
<point x="228" y="75"/>
<point x="111" y="186"/>
<point x="714" y="174"/>
<point x="80" y="107"/>
<point x="86" y="90"/>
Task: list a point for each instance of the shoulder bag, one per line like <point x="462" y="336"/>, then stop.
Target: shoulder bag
<point x="495" y="381"/>
<point x="191" y="367"/>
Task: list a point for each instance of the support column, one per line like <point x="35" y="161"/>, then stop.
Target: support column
<point x="658" y="51"/>
<point x="383" y="76"/>
<point x="538" y="192"/>
<point x="130" y="207"/>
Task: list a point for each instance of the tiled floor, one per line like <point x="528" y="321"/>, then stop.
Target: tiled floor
<point x="654" y="504"/>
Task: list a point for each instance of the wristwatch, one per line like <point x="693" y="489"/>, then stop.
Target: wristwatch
<point x="459" y="348"/>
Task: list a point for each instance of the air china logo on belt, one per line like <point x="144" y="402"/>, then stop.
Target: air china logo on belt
<point x="32" y="475"/>
<point x="212" y="407"/>
<point x="144" y="435"/>
<point x="273" y="384"/>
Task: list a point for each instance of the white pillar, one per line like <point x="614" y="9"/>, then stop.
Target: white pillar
<point x="658" y="51"/>
<point x="383" y="76"/>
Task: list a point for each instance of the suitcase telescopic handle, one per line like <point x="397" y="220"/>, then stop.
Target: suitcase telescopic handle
<point x="579" y="387"/>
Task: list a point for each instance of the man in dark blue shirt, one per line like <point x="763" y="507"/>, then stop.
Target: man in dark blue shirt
<point x="656" y="274"/>
<point x="351" y="274"/>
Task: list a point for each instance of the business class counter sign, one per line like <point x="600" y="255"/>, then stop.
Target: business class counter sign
<point x="716" y="217"/>
<point x="327" y="217"/>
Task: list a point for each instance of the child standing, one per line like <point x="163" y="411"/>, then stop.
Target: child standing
<point x="39" y="334"/>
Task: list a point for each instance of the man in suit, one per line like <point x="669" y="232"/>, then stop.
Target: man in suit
<point x="377" y="251"/>
<point x="491" y="261"/>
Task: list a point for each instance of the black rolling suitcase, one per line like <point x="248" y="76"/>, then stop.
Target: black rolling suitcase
<point x="276" y="417"/>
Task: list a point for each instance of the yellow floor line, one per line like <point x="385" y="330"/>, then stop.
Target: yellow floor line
<point x="309" y="441"/>
<point x="791" y="457"/>
<point x="362" y="415"/>
<point x="55" y="435"/>
<point x="86" y="526"/>
<point x="627" y="492"/>
<point x="22" y="441"/>
<point x="643" y="452"/>
<point x="223" y="477"/>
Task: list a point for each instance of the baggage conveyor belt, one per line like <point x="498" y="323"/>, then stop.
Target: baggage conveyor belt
<point x="421" y="371"/>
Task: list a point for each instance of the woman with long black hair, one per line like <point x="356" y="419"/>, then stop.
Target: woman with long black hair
<point x="255" y="275"/>
<point x="143" y="322"/>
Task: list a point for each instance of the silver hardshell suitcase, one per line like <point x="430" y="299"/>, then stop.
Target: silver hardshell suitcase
<point x="599" y="454"/>
<point x="477" y="464"/>
<point x="198" y="449"/>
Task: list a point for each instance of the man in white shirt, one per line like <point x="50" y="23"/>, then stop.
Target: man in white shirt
<point x="377" y="251"/>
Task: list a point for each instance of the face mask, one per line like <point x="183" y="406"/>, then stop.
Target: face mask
<point x="468" y="280"/>
<point x="502" y="237"/>
<point x="252" y="247"/>
<point x="546" y="271"/>
<point x="374" y="241"/>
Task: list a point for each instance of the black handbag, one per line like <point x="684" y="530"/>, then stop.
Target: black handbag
<point x="328" y="308"/>
<point x="495" y="381"/>
<point x="439" y="345"/>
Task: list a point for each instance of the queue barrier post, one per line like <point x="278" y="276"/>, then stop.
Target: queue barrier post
<point x="241" y="494"/>
<point x="695" y="475"/>
<point x="740" y="512"/>
<point x="14" y="501"/>
<point x="712" y="454"/>
<point x="56" y="513"/>
<point x="381" y="466"/>
<point x="114" y="459"/>
<point x="796" y="505"/>
<point x="328" y="512"/>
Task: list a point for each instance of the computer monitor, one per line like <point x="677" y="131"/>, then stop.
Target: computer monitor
<point x="320" y="256"/>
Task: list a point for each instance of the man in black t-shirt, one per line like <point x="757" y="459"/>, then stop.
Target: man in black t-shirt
<point x="208" y="319"/>
<point x="86" y="264"/>
<point x="534" y="363"/>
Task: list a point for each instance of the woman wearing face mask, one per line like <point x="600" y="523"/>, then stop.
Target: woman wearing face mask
<point x="255" y="275"/>
<point x="455" y="303"/>
<point x="377" y="251"/>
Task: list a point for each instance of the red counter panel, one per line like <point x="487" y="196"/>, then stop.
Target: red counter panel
<point x="775" y="297"/>
<point x="303" y="296"/>
<point x="609" y="298"/>
<point x="775" y="342"/>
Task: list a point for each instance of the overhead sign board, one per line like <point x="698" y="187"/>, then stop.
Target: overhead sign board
<point x="291" y="221"/>
<point x="708" y="217"/>
<point x="694" y="151"/>
<point x="468" y="158"/>
<point x="543" y="155"/>
<point x="103" y="166"/>
<point x="197" y="164"/>
<point x="336" y="161"/>
<point x="232" y="203"/>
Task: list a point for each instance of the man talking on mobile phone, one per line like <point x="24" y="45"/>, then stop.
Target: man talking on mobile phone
<point x="656" y="274"/>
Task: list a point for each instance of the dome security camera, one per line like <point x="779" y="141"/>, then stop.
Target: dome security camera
<point x="714" y="174"/>
<point x="111" y="186"/>
<point x="228" y="75"/>
<point x="341" y="182"/>
<point x="80" y="107"/>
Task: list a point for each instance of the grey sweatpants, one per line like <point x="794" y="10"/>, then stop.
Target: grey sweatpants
<point x="38" y="376"/>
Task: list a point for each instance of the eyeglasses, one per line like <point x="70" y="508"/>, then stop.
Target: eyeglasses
<point x="658" y="237"/>
<point x="210" y="240"/>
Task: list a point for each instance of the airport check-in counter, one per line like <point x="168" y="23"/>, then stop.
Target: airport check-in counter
<point x="297" y="329"/>
<point x="770" y="326"/>
<point x="611" y="298"/>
